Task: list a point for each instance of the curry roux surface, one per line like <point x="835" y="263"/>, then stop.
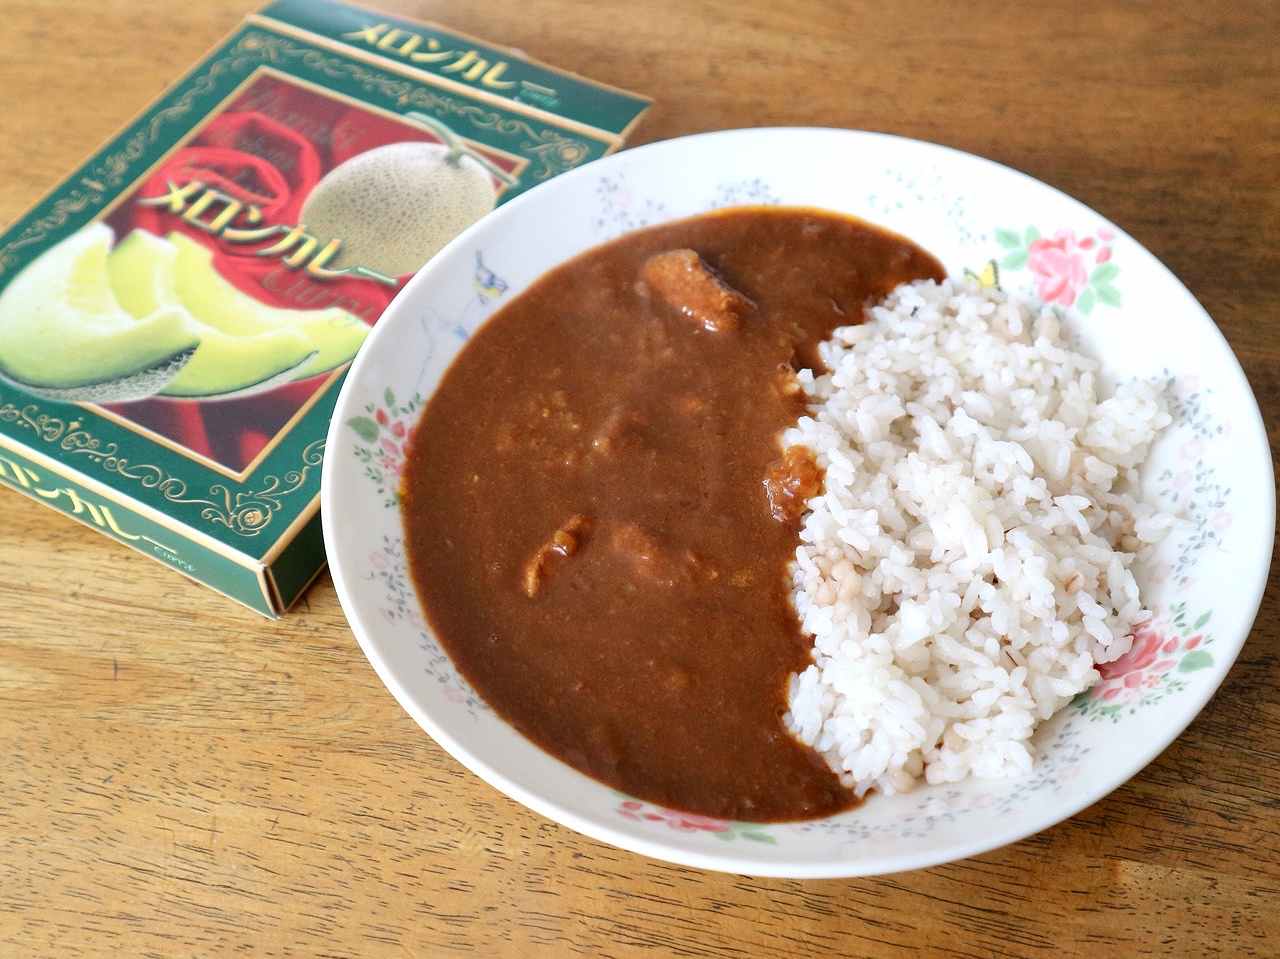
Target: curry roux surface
<point x="588" y="520"/>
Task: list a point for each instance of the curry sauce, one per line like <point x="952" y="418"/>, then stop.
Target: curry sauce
<point x="599" y="516"/>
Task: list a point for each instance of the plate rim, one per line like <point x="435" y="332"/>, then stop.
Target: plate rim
<point x="732" y="860"/>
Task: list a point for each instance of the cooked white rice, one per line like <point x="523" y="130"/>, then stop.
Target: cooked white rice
<point x="969" y="558"/>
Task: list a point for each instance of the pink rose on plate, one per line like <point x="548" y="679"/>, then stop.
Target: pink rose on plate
<point x="393" y="468"/>
<point x="1145" y="649"/>
<point x="631" y="809"/>
<point x="682" y="821"/>
<point x="1059" y="268"/>
<point x="1119" y="693"/>
<point x="691" y="822"/>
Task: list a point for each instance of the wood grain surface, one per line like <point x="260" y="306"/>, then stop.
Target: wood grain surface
<point x="180" y="778"/>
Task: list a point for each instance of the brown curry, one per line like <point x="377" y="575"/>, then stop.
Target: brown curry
<point x="599" y="516"/>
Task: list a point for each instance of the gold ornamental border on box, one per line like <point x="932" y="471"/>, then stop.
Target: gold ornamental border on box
<point x="246" y="512"/>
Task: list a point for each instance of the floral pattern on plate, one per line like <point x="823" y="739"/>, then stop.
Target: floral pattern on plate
<point x="384" y="429"/>
<point x="388" y="568"/>
<point x="1191" y="488"/>
<point x="620" y="209"/>
<point x="1061" y="764"/>
<point x="753" y="191"/>
<point x="723" y="829"/>
<point x="1164" y="651"/>
<point x="1067" y="270"/>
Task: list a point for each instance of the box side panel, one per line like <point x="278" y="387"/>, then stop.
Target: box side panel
<point x="299" y="562"/>
<point x="243" y="583"/>
<point x="493" y="71"/>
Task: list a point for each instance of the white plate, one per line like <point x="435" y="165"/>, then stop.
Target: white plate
<point x="1213" y="466"/>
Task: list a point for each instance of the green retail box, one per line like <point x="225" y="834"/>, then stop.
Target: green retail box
<point x="176" y="316"/>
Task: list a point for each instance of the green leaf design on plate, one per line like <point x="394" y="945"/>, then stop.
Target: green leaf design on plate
<point x="1086" y="302"/>
<point x="1196" y="659"/>
<point x="725" y="836"/>
<point x="1108" y="295"/>
<point x="1008" y="239"/>
<point x="1105" y="272"/>
<point x="1031" y="235"/>
<point x="365" y="427"/>
<point x="1014" y="260"/>
<point x="1202" y="620"/>
<point x="390" y="397"/>
<point x="759" y="837"/>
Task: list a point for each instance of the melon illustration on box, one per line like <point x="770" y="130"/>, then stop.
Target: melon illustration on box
<point x="65" y="336"/>
<point x="88" y="323"/>
<point x="397" y="205"/>
<point x="329" y="336"/>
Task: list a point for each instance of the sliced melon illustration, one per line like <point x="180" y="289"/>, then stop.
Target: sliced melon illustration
<point x="227" y="367"/>
<point x="335" y="334"/>
<point x="142" y="270"/>
<point x="63" y="335"/>
<point x="141" y="273"/>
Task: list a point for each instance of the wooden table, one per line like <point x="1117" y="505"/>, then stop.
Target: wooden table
<point x="180" y="778"/>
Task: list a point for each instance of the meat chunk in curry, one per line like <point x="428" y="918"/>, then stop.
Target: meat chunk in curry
<point x="684" y="282"/>
<point x="791" y="482"/>
<point x="565" y="541"/>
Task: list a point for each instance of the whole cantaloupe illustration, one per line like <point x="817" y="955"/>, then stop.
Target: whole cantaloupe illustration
<point x="395" y="206"/>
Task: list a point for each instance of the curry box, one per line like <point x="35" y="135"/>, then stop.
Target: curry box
<point x="176" y="317"/>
